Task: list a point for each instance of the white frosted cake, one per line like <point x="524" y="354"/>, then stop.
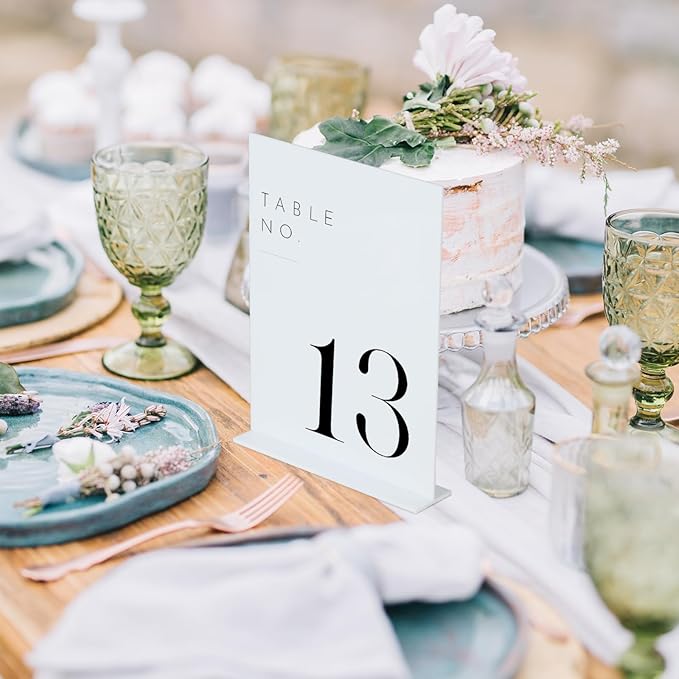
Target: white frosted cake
<point x="483" y="217"/>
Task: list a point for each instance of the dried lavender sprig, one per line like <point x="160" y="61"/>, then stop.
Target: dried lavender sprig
<point x="24" y="403"/>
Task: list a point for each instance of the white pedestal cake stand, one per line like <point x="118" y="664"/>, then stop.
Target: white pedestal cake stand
<point x="542" y="299"/>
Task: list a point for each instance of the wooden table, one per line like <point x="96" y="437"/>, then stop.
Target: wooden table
<point x="28" y="610"/>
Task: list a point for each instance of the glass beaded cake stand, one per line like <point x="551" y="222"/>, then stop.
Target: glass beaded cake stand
<point x="542" y="298"/>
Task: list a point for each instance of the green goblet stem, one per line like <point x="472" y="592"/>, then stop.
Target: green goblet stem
<point x="642" y="661"/>
<point x="151" y="310"/>
<point x="651" y="394"/>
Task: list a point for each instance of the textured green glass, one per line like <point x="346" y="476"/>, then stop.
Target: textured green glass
<point x="641" y="290"/>
<point x="631" y="546"/>
<point x="308" y="89"/>
<point x="150" y="201"/>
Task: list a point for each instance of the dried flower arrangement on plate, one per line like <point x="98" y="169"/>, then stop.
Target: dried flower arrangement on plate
<point x="87" y="464"/>
<point x="88" y="467"/>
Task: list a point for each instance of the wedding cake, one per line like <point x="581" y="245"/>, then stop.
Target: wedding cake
<point x="467" y="129"/>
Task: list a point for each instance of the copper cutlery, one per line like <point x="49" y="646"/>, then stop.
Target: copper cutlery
<point x="248" y="516"/>
<point x="72" y="346"/>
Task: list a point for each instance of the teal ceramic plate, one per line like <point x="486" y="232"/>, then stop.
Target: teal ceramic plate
<point x="26" y="148"/>
<point x="40" y="285"/>
<point x="482" y="638"/>
<point x="65" y="394"/>
<point x="580" y="260"/>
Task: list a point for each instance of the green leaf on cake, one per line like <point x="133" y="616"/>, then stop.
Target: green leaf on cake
<point x="9" y="380"/>
<point x="374" y="142"/>
<point x="419" y="156"/>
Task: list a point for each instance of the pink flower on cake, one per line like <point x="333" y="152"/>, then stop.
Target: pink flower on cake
<point x="457" y="45"/>
<point x="513" y="77"/>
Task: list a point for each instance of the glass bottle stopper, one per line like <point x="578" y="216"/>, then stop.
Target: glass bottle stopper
<point x="620" y="350"/>
<point x="613" y="377"/>
<point x="497" y="315"/>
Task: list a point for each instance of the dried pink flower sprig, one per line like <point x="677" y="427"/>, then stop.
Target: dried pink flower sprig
<point x="108" y="473"/>
<point x="550" y="144"/>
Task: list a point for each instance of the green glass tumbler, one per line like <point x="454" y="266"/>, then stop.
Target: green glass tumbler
<point x="631" y="547"/>
<point x="151" y="201"/>
<point x="307" y="89"/>
<point x="641" y="290"/>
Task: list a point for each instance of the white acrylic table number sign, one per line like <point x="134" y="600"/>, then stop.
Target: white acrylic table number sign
<point x="344" y="321"/>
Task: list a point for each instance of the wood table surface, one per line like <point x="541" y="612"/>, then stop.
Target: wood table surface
<point x="28" y="609"/>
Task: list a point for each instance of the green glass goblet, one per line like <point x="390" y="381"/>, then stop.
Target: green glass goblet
<point x="150" y="200"/>
<point x="631" y="547"/>
<point x="641" y="290"/>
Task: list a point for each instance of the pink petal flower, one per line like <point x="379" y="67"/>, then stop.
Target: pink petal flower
<point x="458" y="46"/>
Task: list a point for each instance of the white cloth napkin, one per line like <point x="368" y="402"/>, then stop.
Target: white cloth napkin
<point x="302" y="610"/>
<point x="558" y="203"/>
<point x="23" y="225"/>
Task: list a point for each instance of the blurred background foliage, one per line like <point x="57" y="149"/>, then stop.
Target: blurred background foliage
<point x="617" y="61"/>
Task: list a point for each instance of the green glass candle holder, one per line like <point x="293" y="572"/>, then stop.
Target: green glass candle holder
<point x="641" y="290"/>
<point x="150" y="200"/>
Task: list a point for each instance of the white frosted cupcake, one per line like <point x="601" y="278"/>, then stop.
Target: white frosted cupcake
<point x="157" y="76"/>
<point x="138" y="91"/>
<point x="162" y="65"/>
<point x="146" y="124"/>
<point x="52" y="86"/>
<point x="249" y="95"/>
<point x="220" y="122"/>
<point x="214" y="77"/>
<point x="66" y="127"/>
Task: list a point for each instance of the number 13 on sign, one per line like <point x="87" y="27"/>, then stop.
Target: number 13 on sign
<point x="326" y="396"/>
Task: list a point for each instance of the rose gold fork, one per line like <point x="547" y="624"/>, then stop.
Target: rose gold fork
<point x="248" y="516"/>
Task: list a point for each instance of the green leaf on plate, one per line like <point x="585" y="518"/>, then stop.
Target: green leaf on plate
<point x="9" y="380"/>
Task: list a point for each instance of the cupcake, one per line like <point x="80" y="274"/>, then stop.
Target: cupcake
<point x="146" y="123"/>
<point x="52" y="86"/>
<point x="162" y="66"/>
<point x="158" y="76"/>
<point x="215" y="76"/>
<point x="66" y="127"/>
<point x="221" y="122"/>
<point x="141" y="91"/>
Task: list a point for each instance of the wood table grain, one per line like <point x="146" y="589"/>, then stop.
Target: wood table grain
<point x="28" y="610"/>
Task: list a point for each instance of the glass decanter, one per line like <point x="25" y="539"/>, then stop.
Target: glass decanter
<point x="613" y="377"/>
<point x="498" y="409"/>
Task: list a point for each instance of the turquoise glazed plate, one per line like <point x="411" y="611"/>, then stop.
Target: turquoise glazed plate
<point x="482" y="638"/>
<point x="580" y="260"/>
<point x="64" y="394"/>
<point x="39" y="286"/>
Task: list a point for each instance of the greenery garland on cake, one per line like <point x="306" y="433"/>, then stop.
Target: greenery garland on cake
<point x="475" y="95"/>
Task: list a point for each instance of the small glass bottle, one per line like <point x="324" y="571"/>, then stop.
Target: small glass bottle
<point x="498" y="409"/>
<point x="613" y="377"/>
